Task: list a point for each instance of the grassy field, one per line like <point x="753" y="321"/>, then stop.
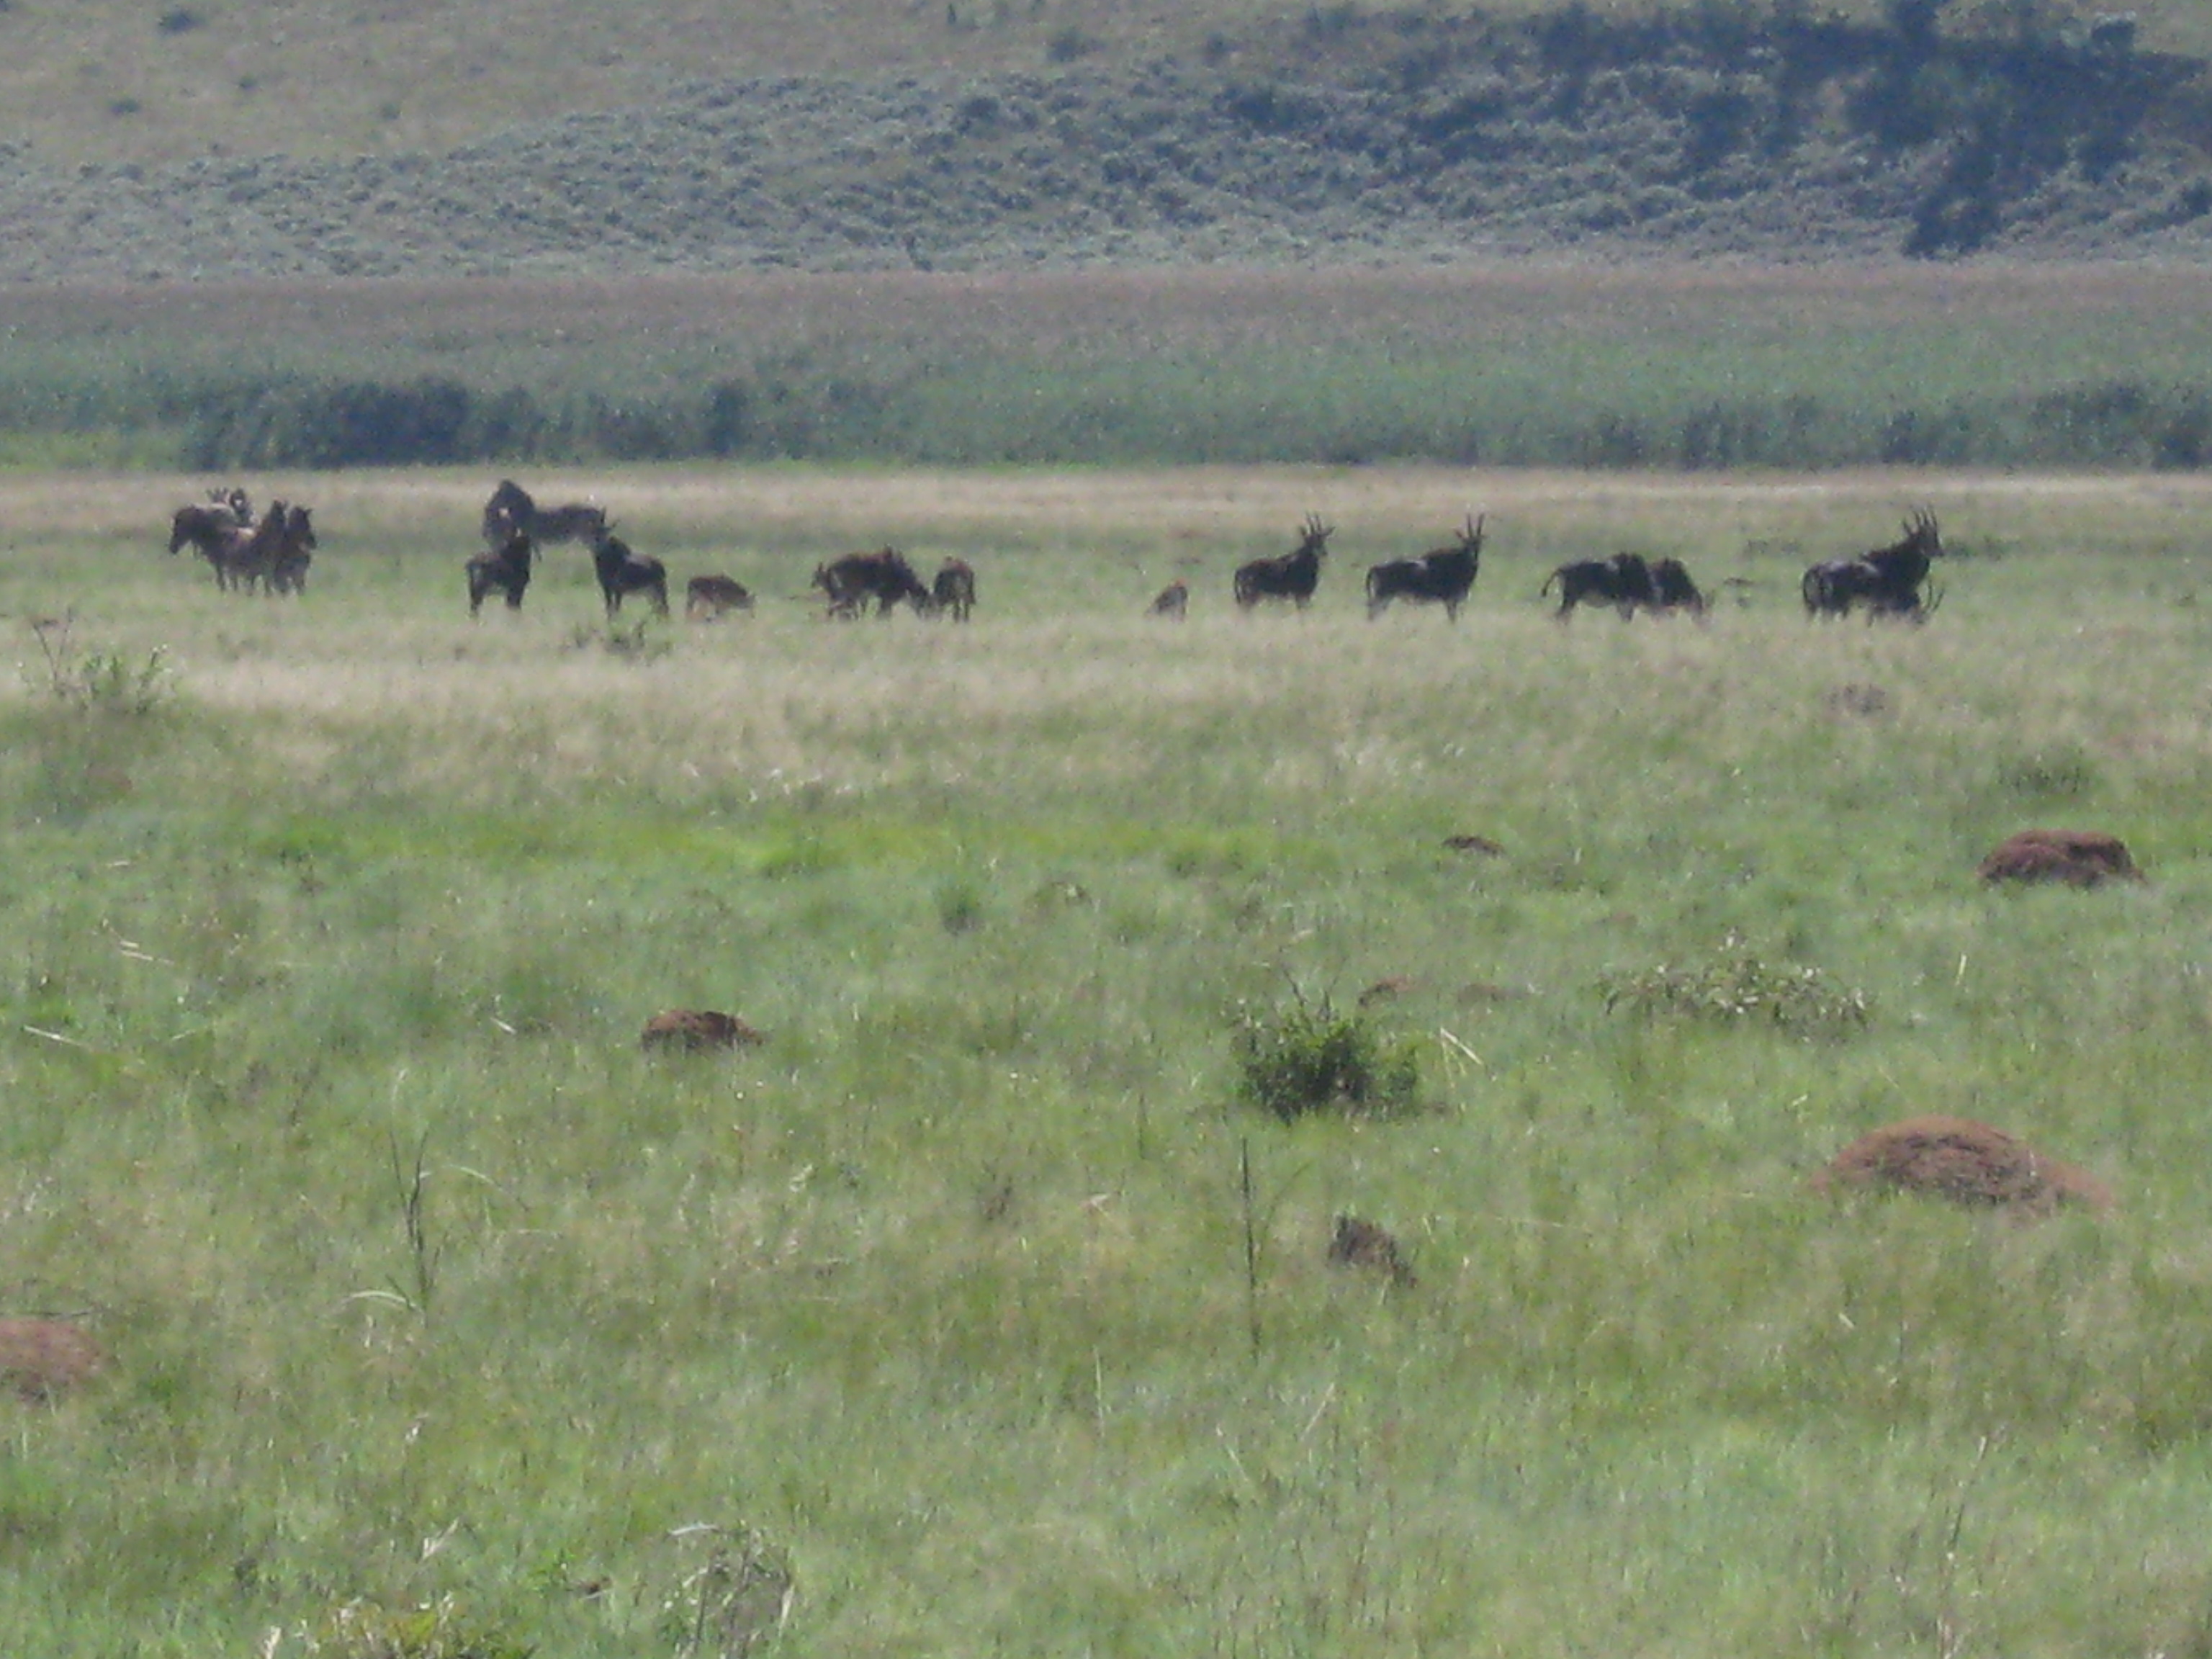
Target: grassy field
<point x="1669" y="365"/>
<point x="108" y="80"/>
<point x="444" y="1322"/>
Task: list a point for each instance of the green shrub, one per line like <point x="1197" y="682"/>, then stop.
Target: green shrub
<point x="1311" y="1059"/>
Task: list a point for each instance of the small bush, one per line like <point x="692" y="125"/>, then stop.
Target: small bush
<point x="1069" y="43"/>
<point x="1736" y="986"/>
<point x="95" y="681"/>
<point x="960" y="906"/>
<point x="1311" y="1059"/>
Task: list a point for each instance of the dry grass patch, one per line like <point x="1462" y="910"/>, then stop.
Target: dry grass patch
<point x="42" y="1360"/>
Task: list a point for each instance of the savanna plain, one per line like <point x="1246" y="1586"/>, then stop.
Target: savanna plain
<point x="979" y="1310"/>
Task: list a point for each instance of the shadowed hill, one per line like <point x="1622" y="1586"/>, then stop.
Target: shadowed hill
<point x="1347" y="134"/>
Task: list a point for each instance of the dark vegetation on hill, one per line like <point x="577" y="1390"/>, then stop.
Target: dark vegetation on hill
<point x="1771" y="132"/>
<point x="1763" y="133"/>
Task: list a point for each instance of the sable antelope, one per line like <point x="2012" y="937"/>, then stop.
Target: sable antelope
<point x="1672" y="589"/>
<point x="511" y="509"/>
<point x="1887" y="581"/>
<point x="709" y="598"/>
<point x="508" y="570"/>
<point x="235" y="501"/>
<point x="1442" y="576"/>
<point x="1173" y="600"/>
<point x="239" y="555"/>
<point x="954" y="590"/>
<point x="1293" y="575"/>
<point x="622" y="571"/>
<point x="198" y="524"/>
<point x="848" y="584"/>
<point x="1623" y="581"/>
<point x="211" y="528"/>
<point x="294" y="552"/>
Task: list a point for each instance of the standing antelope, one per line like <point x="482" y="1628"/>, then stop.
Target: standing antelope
<point x="1442" y="576"/>
<point x="1293" y="575"/>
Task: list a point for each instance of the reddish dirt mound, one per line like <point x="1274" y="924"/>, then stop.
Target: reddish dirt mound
<point x="1363" y="1244"/>
<point x="2078" y="857"/>
<point x="1966" y="1162"/>
<point x="695" y="1029"/>
<point x="42" y="1358"/>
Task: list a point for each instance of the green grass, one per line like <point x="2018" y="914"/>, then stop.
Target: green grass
<point x="1662" y="368"/>
<point x="938" y="1303"/>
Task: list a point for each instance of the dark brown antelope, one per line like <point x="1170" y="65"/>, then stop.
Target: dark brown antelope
<point x="511" y="509"/>
<point x="294" y="552"/>
<point x="1293" y="575"/>
<point x="953" y="591"/>
<point x="848" y="584"/>
<point x="507" y="572"/>
<point x="622" y="571"/>
<point x="1887" y="581"/>
<point x="1672" y="590"/>
<point x="1623" y="581"/>
<point x="1442" y="576"/>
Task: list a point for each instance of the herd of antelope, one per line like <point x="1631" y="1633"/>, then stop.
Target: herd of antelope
<point x="1887" y="582"/>
<point x="271" y="553"/>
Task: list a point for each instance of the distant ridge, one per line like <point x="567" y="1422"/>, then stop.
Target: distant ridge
<point x="1378" y="138"/>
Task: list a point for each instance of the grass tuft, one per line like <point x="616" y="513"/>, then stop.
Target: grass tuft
<point x="1307" y="1058"/>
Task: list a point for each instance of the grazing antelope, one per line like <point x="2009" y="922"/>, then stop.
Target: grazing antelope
<point x="1623" y="581"/>
<point x="1672" y="590"/>
<point x="848" y="584"/>
<point x="1172" y="600"/>
<point x="1293" y="575"/>
<point x="954" y="590"/>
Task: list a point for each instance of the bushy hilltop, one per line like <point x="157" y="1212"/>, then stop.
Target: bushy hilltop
<point x="1764" y="132"/>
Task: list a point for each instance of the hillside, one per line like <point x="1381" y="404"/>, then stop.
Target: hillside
<point x="1339" y="135"/>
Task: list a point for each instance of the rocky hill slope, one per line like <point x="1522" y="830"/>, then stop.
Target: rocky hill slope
<point x="1349" y="137"/>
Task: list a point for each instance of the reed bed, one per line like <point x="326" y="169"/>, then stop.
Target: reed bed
<point x="1708" y="370"/>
